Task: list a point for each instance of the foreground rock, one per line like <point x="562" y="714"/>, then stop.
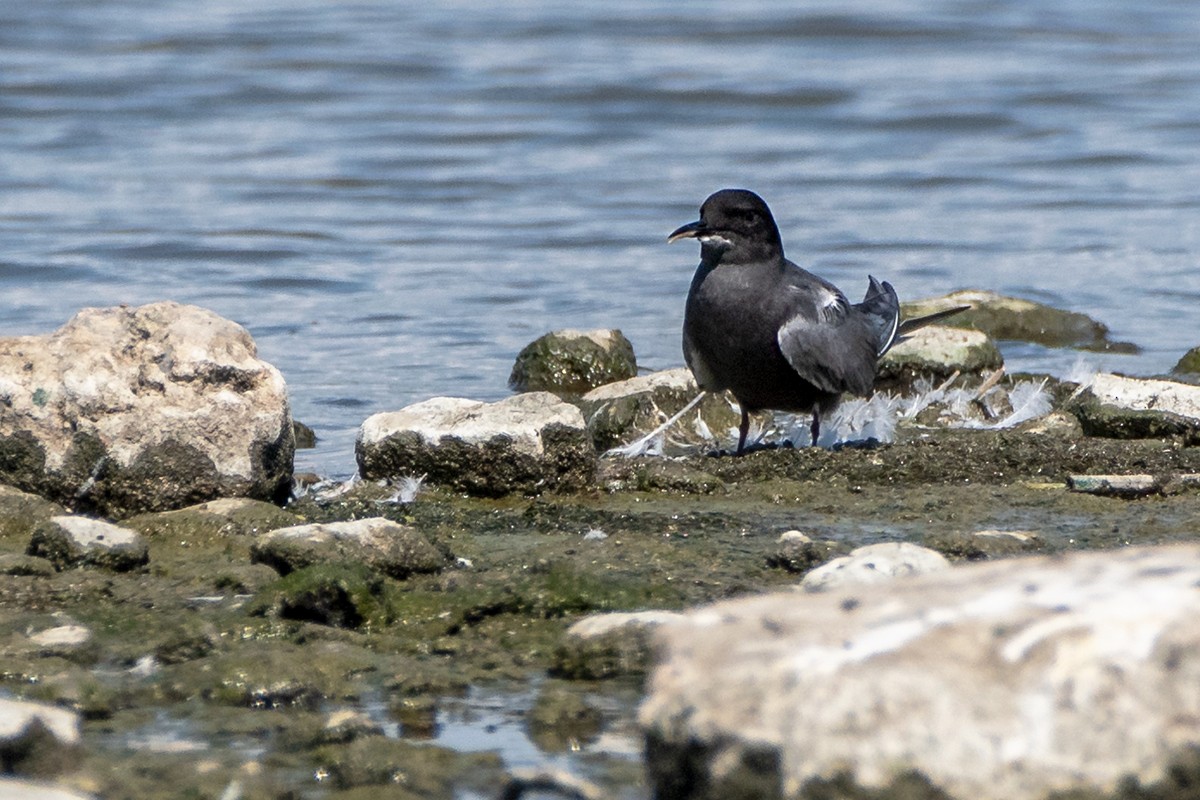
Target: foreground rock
<point x="937" y="352"/>
<point x="36" y="740"/>
<point x="874" y="563"/>
<point x="69" y="541"/>
<point x="124" y="410"/>
<point x="385" y="546"/>
<point x="1011" y="318"/>
<point x="571" y="362"/>
<point x="619" y="413"/>
<point x="606" y="645"/>
<point x="1118" y="407"/>
<point x="1010" y="679"/>
<point x="525" y="443"/>
<point x="31" y="790"/>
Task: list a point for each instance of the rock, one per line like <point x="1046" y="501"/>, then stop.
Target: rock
<point x="526" y="443"/>
<point x="874" y="563"/>
<point x="937" y="352"/>
<point x="21" y="564"/>
<point x="980" y="545"/>
<point x="607" y="645"/>
<point x="21" y="512"/>
<point x="339" y="594"/>
<point x="1059" y="424"/>
<point x="618" y="413"/>
<point x="61" y="640"/>
<point x="37" y="740"/>
<point x="799" y="553"/>
<point x="30" y="790"/>
<point x="225" y="518"/>
<point x="124" y="410"/>
<point x="69" y="541"/>
<point x="1015" y="679"/>
<point x="380" y="544"/>
<point x="1189" y="364"/>
<point x="571" y="362"/>
<point x="562" y="719"/>
<point x="1011" y="318"/>
<point x="418" y="769"/>
<point x="1118" y="407"/>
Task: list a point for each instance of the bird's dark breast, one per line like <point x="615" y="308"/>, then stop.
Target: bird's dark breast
<point x="731" y="326"/>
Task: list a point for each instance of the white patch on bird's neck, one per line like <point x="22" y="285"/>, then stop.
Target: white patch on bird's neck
<point x="713" y="239"/>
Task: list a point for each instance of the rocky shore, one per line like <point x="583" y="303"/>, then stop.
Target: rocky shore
<point x="982" y="587"/>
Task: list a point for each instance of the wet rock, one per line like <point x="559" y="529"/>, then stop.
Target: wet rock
<point x="37" y="740"/>
<point x="618" y="413"/>
<point x="800" y="553"/>
<point x="21" y="512"/>
<point x="1118" y="407"/>
<point x="225" y="518"/>
<point x="21" y="564"/>
<point x="936" y="352"/>
<point x="653" y="474"/>
<point x="337" y="727"/>
<point x="607" y="645"/>
<point x="124" y="410"/>
<point x="31" y="790"/>
<point x="417" y="715"/>
<point x="1011" y="318"/>
<point x="422" y="770"/>
<point x="341" y="595"/>
<point x="69" y="541"/>
<point x="980" y="545"/>
<point x="380" y="544"/>
<point x="571" y="362"/>
<point x="306" y="438"/>
<point x="1189" y="364"/>
<point x="562" y="719"/>
<point x="1063" y="661"/>
<point x="874" y="563"/>
<point x="525" y="443"/>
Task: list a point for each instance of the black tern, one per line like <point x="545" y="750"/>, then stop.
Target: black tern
<point x="775" y="335"/>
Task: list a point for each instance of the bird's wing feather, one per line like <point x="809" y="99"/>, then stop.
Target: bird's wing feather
<point x="834" y="352"/>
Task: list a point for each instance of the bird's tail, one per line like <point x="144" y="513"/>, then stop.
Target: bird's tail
<point x="910" y="325"/>
<point x="882" y="309"/>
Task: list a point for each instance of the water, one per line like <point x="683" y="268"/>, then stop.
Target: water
<point x="396" y="197"/>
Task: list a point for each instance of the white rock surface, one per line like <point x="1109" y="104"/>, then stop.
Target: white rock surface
<point x="940" y="350"/>
<point x="390" y="547"/>
<point x="1006" y="679"/>
<point x="16" y="717"/>
<point x="874" y="563"/>
<point x="69" y="541"/>
<point x="1141" y="394"/>
<point x="17" y="789"/>
<point x="170" y="397"/>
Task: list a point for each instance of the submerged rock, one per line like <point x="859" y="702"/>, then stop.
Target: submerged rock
<point x="618" y="413"/>
<point x="124" y="410"/>
<point x="1118" y="407"/>
<point x="874" y="563"/>
<point x="937" y="352"/>
<point x="525" y="443"/>
<point x="69" y="541"/>
<point x="1011" y="318"/>
<point x="571" y="362"/>
<point x="1012" y="679"/>
<point x="388" y="547"/>
<point x="37" y="740"/>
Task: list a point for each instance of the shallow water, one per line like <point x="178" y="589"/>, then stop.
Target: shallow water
<point x="395" y="198"/>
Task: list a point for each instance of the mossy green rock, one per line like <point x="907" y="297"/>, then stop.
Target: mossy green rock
<point x="377" y="543"/>
<point x="425" y="771"/>
<point x="1117" y="407"/>
<point x="340" y="595"/>
<point x="571" y="362"/>
<point x="21" y="512"/>
<point x="1189" y="364"/>
<point x="226" y="518"/>
<point x="1012" y="318"/>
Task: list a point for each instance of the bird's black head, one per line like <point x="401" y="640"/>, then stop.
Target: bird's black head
<point x="735" y="226"/>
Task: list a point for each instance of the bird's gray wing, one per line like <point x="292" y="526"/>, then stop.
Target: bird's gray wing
<point x="833" y="348"/>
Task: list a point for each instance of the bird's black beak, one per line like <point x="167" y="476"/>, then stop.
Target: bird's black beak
<point x="692" y="230"/>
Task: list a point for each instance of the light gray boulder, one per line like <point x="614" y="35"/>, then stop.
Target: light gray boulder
<point x="385" y="546"/>
<point x="69" y="541"/>
<point x="874" y="563"/>
<point x="124" y="410"/>
<point x="936" y="352"/>
<point x="1120" y="407"/>
<point x="525" y="443"/>
<point x="1010" y="679"/>
<point x="36" y="739"/>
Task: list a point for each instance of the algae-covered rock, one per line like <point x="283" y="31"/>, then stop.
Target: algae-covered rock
<point x="571" y="362"/>
<point x="1012" y="318"/>
<point x="69" y="541"/>
<point x="124" y="410"/>
<point x="423" y="770"/>
<point x="339" y="594"/>
<point x="874" y="563"/>
<point x="608" y="645"/>
<point x="1189" y="364"/>
<point x="23" y="564"/>
<point x="936" y="352"/>
<point x="380" y="544"/>
<point x="562" y="719"/>
<point x="1118" y="407"/>
<point x="980" y="545"/>
<point x="620" y="412"/>
<point x="37" y="740"/>
<point x="21" y="512"/>
<point x="526" y="443"/>
<point x="800" y="553"/>
<point x="227" y="517"/>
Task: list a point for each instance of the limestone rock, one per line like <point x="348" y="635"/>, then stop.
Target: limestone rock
<point x="936" y="352"/>
<point x="135" y="409"/>
<point x="525" y="443"/>
<point x="606" y="645"/>
<point x="1118" y="407"/>
<point x="874" y="563"/>
<point x="36" y="739"/>
<point x="1011" y="318"/>
<point x="385" y="546"/>
<point x="571" y="362"/>
<point x="618" y="413"/>
<point x="1008" y="679"/>
<point x="69" y="541"/>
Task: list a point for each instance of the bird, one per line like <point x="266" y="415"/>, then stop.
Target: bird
<point x="773" y="334"/>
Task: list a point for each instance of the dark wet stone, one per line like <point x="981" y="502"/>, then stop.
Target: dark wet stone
<point x="338" y="594"/>
<point x="570" y="362"/>
<point x="21" y="512"/>
<point x="981" y="545"/>
<point x="306" y="437"/>
<point x="20" y="564"/>
<point x="562" y="719"/>
<point x="423" y="770"/>
<point x="799" y="553"/>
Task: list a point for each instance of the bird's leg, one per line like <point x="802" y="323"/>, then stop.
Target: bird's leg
<point x="743" y="429"/>
<point x="816" y="426"/>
